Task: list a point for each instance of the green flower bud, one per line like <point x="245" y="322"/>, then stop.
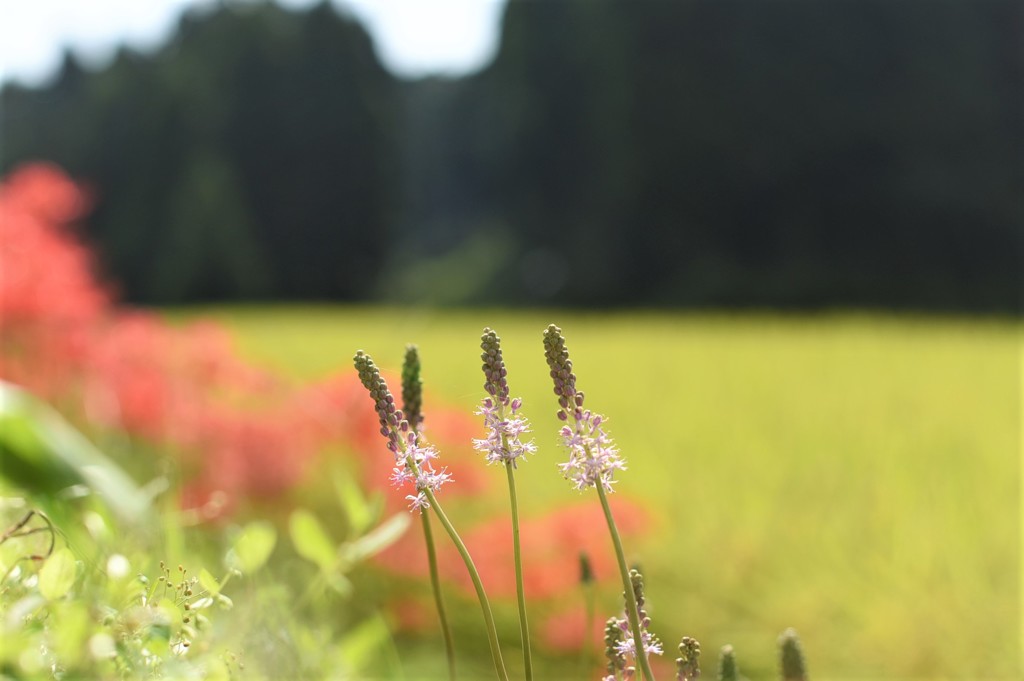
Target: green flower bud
<point x="727" y="670"/>
<point x="412" y="388"/>
<point x="791" y="657"/>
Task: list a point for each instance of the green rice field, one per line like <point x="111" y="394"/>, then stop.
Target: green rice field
<point x="854" y="476"/>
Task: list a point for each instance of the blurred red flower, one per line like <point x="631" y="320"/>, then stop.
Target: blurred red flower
<point x="551" y="545"/>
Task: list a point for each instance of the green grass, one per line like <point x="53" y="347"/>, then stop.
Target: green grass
<point x="856" y="477"/>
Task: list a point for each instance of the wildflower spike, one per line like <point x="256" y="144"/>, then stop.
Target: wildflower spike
<point x="593" y="457"/>
<point x="727" y="669"/>
<point x="388" y="416"/>
<point x="651" y="642"/>
<point x="688" y="662"/>
<point x="503" y="443"/>
<point x="496" y="383"/>
<point x="413" y="463"/>
<point x="593" y="460"/>
<point x="560" y="370"/>
<point x="791" y="657"/>
<point x="626" y="645"/>
<point x="612" y="639"/>
<point x="412" y="388"/>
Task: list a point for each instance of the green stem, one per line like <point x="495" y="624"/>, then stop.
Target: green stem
<point x="435" y="583"/>
<point x="588" y="604"/>
<point x="627" y="586"/>
<point x="485" y="605"/>
<point x="524" y="628"/>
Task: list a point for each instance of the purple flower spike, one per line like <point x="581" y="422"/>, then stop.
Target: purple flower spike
<point x="593" y="458"/>
<point x="503" y="443"/>
<point x="621" y="648"/>
<point x="413" y="458"/>
<point x="505" y="429"/>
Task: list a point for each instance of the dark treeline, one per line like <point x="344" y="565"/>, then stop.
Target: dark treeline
<point x="701" y="153"/>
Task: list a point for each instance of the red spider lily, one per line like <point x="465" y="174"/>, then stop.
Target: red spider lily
<point x="551" y="545"/>
<point x="235" y="429"/>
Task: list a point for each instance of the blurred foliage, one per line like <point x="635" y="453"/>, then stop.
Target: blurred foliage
<point x="87" y="591"/>
<point x="41" y="452"/>
<point x="697" y="153"/>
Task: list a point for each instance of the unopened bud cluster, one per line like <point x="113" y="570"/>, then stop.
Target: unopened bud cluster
<point x="616" y="660"/>
<point x="688" y="662"/>
<point x="727" y="669"/>
<point x="650" y="641"/>
<point x="391" y="419"/>
<point x="791" y="657"/>
<point x="560" y="370"/>
<point x="496" y="383"/>
<point x="412" y="388"/>
<point x="625" y="646"/>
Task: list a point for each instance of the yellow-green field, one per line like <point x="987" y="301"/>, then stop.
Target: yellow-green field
<point x="856" y="477"/>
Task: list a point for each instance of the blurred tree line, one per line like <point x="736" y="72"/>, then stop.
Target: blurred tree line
<point x="697" y="153"/>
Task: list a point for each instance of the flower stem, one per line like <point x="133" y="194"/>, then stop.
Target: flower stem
<point x="627" y="585"/>
<point x="485" y="605"/>
<point x="590" y="608"/>
<point x="435" y="583"/>
<point x="524" y="628"/>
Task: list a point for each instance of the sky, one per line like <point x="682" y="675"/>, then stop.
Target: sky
<point x="412" y="37"/>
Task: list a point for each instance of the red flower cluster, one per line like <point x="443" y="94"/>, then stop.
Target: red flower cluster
<point x="551" y="546"/>
<point x="234" y="429"/>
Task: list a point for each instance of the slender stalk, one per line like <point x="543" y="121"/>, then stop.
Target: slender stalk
<point x="524" y="628"/>
<point x="435" y="583"/>
<point x="627" y="586"/>
<point x="485" y="605"/>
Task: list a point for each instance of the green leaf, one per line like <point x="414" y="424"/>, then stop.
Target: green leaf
<point x="168" y="621"/>
<point x="57" y="574"/>
<point x="383" y="536"/>
<point x="339" y="583"/>
<point x="201" y="603"/>
<point x="364" y="644"/>
<point x="69" y="629"/>
<point x="253" y="547"/>
<point x="358" y="511"/>
<point x="158" y="642"/>
<point x="311" y="540"/>
<point x="43" y="454"/>
<point x="209" y="582"/>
